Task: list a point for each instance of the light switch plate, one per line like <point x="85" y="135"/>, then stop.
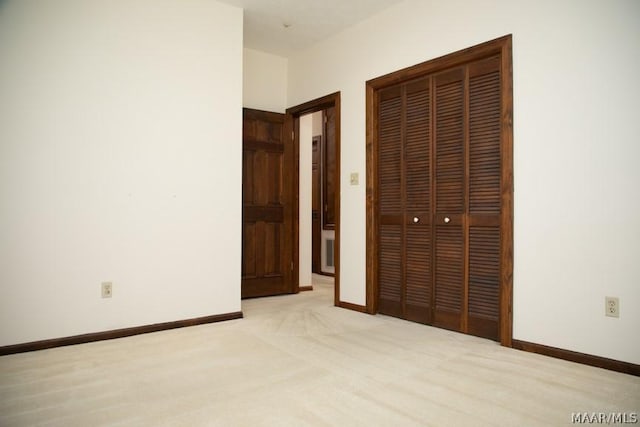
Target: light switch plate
<point x="354" y="178"/>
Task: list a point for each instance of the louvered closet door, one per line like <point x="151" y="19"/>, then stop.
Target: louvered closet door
<point x="439" y="181"/>
<point x="417" y="190"/>
<point x="405" y="240"/>
<point x="449" y="218"/>
<point x="439" y="209"/>
<point x="485" y="208"/>
<point x="467" y="201"/>
<point x="391" y="206"/>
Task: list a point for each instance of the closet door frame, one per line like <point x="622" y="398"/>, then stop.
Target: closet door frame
<point x="501" y="46"/>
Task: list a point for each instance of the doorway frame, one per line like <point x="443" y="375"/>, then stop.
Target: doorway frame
<point x="503" y="47"/>
<point x="292" y="127"/>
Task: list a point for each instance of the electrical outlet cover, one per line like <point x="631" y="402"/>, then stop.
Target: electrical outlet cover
<point x="611" y="307"/>
<point x="107" y="289"/>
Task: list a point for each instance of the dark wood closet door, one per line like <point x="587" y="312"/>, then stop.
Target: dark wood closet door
<point x="267" y="205"/>
<point x="440" y="192"/>
<point x="391" y="290"/>
<point x="405" y="284"/>
<point x="485" y="208"/>
<point x="439" y="207"/>
<point x="417" y="192"/>
<point x="449" y="198"/>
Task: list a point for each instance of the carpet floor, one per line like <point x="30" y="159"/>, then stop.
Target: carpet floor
<point x="296" y="360"/>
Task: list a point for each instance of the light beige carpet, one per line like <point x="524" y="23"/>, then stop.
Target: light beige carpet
<point x="296" y="360"/>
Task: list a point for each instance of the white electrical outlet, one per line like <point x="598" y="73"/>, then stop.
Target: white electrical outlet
<point x="612" y="307"/>
<point x="107" y="289"/>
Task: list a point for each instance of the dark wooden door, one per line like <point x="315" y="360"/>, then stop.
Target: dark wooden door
<point x="316" y="205"/>
<point x="329" y="169"/>
<point x="267" y="171"/>
<point x="439" y="206"/>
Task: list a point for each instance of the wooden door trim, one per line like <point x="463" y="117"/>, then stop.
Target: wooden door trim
<point x="292" y="127"/>
<point x="502" y="47"/>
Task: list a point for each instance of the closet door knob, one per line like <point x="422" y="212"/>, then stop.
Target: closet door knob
<point x="416" y="220"/>
<point x="447" y="219"/>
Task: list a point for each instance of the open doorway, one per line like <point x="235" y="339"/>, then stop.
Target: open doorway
<point x="315" y="129"/>
<point x="317" y="179"/>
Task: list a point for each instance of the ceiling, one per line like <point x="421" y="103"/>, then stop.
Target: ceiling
<point x="283" y="27"/>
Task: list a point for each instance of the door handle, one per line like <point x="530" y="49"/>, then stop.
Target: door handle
<point x="416" y="220"/>
<point x="447" y="220"/>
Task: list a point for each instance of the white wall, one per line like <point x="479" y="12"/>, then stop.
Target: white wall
<point x="264" y="81"/>
<point x="120" y="160"/>
<point x="576" y="127"/>
<point x="317" y="124"/>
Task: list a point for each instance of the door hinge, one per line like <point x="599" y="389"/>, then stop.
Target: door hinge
<point x="291" y="265"/>
<point x="293" y="135"/>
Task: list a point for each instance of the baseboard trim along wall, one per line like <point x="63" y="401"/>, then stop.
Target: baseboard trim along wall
<point x="116" y="333"/>
<point x="585" y="359"/>
<point x="350" y="306"/>
<point x="572" y="356"/>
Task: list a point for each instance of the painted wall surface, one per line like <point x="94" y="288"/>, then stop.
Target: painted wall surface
<point x="317" y="124"/>
<point x="120" y="160"/>
<point x="576" y="127"/>
<point x="264" y="81"/>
